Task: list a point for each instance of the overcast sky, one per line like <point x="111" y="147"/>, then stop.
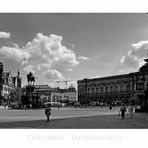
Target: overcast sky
<point x="76" y="46"/>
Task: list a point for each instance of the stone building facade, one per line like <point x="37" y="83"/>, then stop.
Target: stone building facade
<point x="1" y="82"/>
<point x="9" y="85"/>
<point x="126" y="88"/>
<point x="71" y="93"/>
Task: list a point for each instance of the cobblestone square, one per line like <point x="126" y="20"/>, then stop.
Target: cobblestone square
<point x="71" y="118"/>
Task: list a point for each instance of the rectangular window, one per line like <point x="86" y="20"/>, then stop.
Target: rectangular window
<point x="128" y="88"/>
<point x="116" y="89"/>
<point x="140" y="86"/>
<point x="88" y="90"/>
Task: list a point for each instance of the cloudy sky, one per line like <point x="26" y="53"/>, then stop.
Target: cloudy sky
<point x="54" y="46"/>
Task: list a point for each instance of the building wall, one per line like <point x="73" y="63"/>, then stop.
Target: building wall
<point x="72" y="96"/>
<point x="64" y="94"/>
<point x="1" y="82"/>
<point x="6" y="91"/>
<point x="44" y="91"/>
<point x="7" y="86"/>
<point x="57" y="96"/>
<point x="124" y="88"/>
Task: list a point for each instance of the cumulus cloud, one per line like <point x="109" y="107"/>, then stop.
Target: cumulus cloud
<point x="133" y="59"/>
<point x="53" y="74"/>
<point x="69" y="69"/>
<point x="42" y="52"/>
<point x="51" y="50"/>
<point x="15" y="53"/>
<point x="29" y="68"/>
<point x="83" y="58"/>
<point x="5" y="35"/>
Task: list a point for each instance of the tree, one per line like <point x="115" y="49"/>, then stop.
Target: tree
<point x="12" y="95"/>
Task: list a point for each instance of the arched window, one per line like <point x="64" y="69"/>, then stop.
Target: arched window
<point x="97" y="90"/>
<point x="128" y="88"/>
<point x="88" y="90"/>
<point x="116" y="88"/>
<point x="121" y="88"/>
<point x="140" y="86"/>
<point x="111" y="89"/>
<point x="101" y="89"/>
<point x="106" y="89"/>
<point x="80" y="91"/>
<point x="92" y="90"/>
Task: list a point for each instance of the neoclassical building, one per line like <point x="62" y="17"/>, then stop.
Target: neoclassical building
<point x="126" y="88"/>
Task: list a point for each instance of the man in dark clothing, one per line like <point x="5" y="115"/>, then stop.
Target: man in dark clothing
<point x="48" y="111"/>
<point x="122" y="111"/>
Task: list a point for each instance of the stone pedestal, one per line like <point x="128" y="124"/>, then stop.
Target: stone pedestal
<point x="29" y="97"/>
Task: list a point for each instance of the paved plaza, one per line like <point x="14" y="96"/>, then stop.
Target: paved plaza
<point x="71" y="118"/>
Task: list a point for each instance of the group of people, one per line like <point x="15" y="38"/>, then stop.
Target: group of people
<point x="124" y="109"/>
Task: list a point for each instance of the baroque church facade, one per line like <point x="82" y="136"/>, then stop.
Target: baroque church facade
<point x="126" y="88"/>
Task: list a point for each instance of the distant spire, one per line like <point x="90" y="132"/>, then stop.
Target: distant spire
<point x="18" y="73"/>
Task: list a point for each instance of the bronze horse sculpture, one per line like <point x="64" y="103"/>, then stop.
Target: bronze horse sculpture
<point x="30" y="78"/>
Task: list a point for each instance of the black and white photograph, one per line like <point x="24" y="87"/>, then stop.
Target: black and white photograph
<point x="73" y="73"/>
<point x="74" y="70"/>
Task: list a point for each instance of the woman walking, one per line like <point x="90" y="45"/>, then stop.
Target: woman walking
<point x="131" y="110"/>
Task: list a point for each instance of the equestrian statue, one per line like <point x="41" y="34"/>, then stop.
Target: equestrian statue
<point x="30" y="78"/>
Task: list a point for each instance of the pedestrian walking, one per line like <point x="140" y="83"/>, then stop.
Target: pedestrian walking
<point x="131" y="110"/>
<point x="122" y="111"/>
<point x="5" y="105"/>
<point x="48" y="111"/>
<point x="113" y="105"/>
<point x="101" y="104"/>
<point x="75" y="106"/>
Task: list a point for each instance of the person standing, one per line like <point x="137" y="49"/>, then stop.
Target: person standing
<point x="75" y="105"/>
<point x="48" y="111"/>
<point x="122" y="111"/>
<point x="113" y="105"/>
<point x="101" y="104"/>
<point x="131" y="110"/>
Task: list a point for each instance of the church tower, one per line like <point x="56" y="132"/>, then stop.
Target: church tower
<point x="19" y="80"/>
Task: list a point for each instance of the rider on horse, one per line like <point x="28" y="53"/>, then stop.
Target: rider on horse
<point x="30" y="78"/>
